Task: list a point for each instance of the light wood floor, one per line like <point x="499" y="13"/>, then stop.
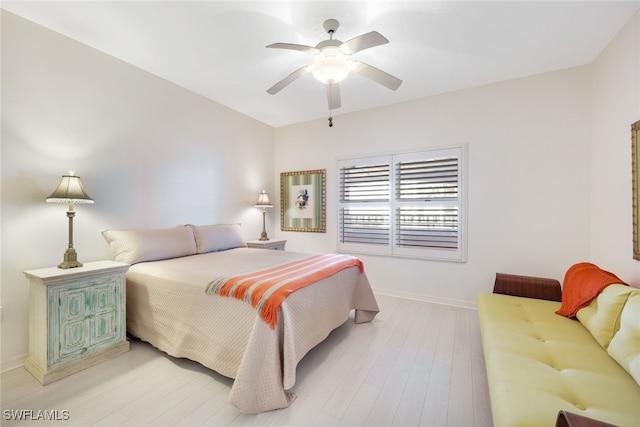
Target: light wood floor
<point x="416" y="364"/>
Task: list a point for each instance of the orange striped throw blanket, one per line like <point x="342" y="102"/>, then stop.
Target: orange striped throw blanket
<point x="266" y="289"/>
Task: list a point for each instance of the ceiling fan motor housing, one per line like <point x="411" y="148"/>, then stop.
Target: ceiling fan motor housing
<point x="328" y="43"/>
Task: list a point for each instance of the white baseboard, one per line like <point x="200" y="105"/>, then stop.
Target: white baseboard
<point x="13" y="363"/>
<point x="426" y="298"/>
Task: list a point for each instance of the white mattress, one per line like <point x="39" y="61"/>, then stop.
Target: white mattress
<point x="168" y="307"/>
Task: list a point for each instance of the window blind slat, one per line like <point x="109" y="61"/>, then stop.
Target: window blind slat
<point x="364" y="226"/>
<point x="365" y="183"/>
<point x="427" y="227"/>
<point x="427" y="179"/>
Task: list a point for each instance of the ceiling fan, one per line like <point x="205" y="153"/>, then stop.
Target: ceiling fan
<point x="332" y="63"/>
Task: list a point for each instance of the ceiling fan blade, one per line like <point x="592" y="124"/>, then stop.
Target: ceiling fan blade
<point x="365" y="41"/>
<point x="293" y="46"/>
<point x="287" y="80"/>
<point x="378" y="76"/>
<point x="333" y="96"/>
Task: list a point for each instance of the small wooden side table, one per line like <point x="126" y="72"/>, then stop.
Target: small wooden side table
<point x="274" y="245"/>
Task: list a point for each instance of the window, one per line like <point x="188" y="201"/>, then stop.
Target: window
<point x="407" y="204"/>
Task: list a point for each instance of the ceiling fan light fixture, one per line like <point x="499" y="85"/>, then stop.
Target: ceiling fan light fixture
<point x="331" y="66"/>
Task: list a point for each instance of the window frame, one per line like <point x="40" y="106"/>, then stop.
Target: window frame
<point x="459" y="254"/>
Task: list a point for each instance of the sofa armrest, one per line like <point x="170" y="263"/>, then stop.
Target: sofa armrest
<point x="569" y="419"/>
<point x="527" y="286"/>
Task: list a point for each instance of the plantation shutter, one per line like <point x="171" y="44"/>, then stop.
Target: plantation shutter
<point x="425" y="218"/>
<point x="407" y="204"/>
<point x="364" y="213"/>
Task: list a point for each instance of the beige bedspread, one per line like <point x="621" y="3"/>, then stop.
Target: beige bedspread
<point x="167" y="306"/>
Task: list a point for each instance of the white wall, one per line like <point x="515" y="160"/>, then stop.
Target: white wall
<point x="150" y="153"/>
<point x="528" y="210"/>
<point x="549" y="165"/>
<point x="616" y="104"/>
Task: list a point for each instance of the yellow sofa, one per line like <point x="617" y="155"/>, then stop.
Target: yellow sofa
<point x="540" y="363"/>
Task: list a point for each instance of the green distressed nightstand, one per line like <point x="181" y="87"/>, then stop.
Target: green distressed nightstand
<point x="76" y="318"/>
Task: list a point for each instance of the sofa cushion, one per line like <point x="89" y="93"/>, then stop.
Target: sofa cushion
<point x="625" y="345"/>
<point x="133" y="246"/>
<point x="602" y="316"/>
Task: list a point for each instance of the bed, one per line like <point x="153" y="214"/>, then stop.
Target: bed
<point x="173" y="303"/>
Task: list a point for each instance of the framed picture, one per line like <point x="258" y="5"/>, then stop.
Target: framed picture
<point x="302" y="201"/>
<point x="635" y="162"/>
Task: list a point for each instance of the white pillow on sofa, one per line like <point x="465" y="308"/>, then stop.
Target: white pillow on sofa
<point x="602" y="316"/>
<point x="625" y="345"/>
<point x="133" y="246"/>
<point x="218" y="237"/>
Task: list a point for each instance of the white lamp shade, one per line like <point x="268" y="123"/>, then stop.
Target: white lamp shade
<point x="69" y="190"/>
<point x="263" y="200"/>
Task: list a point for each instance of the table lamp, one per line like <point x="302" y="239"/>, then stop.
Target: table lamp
<point x="263" y="202"/>
<point x="70" y="191"/>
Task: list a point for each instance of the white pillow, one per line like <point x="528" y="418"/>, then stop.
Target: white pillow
<point x="218" y="237"/>
<point x="133" y="246"/>
<point x="625" y="345"/>
<point x="602" y="316"/>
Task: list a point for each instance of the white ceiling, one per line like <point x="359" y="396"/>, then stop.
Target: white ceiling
<point x="217" y="48"/>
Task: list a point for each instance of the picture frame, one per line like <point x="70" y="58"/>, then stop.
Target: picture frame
<point x="303" y="201"/>
<point x="635" y="140"/>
